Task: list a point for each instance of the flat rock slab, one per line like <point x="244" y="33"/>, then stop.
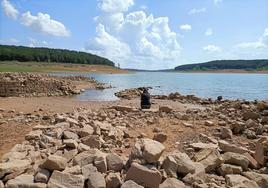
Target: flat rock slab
<point x="65" y="180"/>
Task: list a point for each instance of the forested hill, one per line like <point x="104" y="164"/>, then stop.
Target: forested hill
<point x="26" y="54"/>
<point x="261" y="64"/>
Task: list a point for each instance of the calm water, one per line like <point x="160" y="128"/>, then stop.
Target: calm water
<point x="231" y="86"/>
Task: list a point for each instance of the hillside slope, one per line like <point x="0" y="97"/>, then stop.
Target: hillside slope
<point x="261" y="64"/>
<point x="27" y="54"/>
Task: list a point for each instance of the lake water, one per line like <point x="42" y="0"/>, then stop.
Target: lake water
<point x="231" y="86"/>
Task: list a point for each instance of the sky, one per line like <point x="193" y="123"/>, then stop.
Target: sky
<point x="143" y="34"/>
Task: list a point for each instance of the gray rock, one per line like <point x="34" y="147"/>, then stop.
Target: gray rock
<point x="93" y="141"/>
<point x="70" y="143"/>
<point x="96" y="180"/>
<point x="238" y="181"/>
<point x="131" y="184"/>
<point x="152" y="150"/>
<point x="227" y="147"/>
<point x="55" y="162"/>
<point x="85" y="158"/>
<point x="144" y="175"/>
<point x="210" y="158"/>
<point x="260" y="179"/>
<point x="113" y="180"/>
<point x="236" y="159"/>
<point x="225" y="169"/>
<point x="114" y="162"/>
<point x="226" y="133"/>
<point x="100" y="163"/>
<point x="75" y="170"/>
<point x="172" y="183"/>
<point x="42" y="176"/>
<point x="70" y="135"/>
<point x="24" y="181"/>
<point x="65" y="180"/>
<point x="160" y="137"/>
<point x="13" y="167"/>
<point x="88" y="169"/>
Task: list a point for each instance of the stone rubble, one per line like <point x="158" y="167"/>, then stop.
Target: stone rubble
<point x="89" y="149"/>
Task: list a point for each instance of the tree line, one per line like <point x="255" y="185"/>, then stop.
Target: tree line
<point x="26" y="54"/>
<point x="258" y="64"/>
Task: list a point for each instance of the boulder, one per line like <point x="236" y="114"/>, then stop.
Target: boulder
<point x="260" y="179"/>
<point x="124" y="108"/>
<point x="65" y="180"/>
<point x="236" y="180"/>
<point x="250" y="115"/>
<point x="84" y="158"/>
<point x="85" y="131"/>
<point x="152" y="150"/>
<point x="70" y="143"/>
<point x="75" y="170"/>
<point x="170" y="166"/>
<point x="226" y="133"/>
<point x="55" y="162"/>
<point x="113" y="180"/>
<point x="114" y="162"/>
<point x="146" y="176"/>
<point x="24" y="180"/>
<point x="100" y="163"/>
<point x="166" y="109"/>
<point x="96" y="180"/>
<point x="34" y="135"/>
<point x="2" y="184"/>
<point x="131" y="184"/>
<point x="184" y="164"/>
<point x="70" y="135"/>
<point x="236" y="159"/>
<point x="210" y="158"/>
<point x="13" y="167"/>
<point x="227" y="147"/>
<point x="88" y="169"/>
<point x="198" y="176"/>
<point x="93" y="141"/>
<point x="225" y="169"/>
<point x="42" y="176"/>
<point x="172" y="183"/>
<point x="160" y="137"/>
<point x="261" y="151"/>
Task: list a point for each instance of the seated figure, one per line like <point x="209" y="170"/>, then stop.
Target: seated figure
<point x="145" y="99"/>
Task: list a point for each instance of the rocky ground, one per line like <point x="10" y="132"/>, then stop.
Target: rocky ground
<point x="29" y="85"/>
<point x="183" y="141"/>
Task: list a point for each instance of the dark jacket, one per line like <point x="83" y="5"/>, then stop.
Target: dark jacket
<point x="145" y="100"/>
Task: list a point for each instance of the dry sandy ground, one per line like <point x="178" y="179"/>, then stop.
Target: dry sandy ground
<point x="13" y="132"/>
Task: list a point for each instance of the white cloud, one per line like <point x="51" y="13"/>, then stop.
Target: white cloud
<point x="261" y="43"/>
<point x="9" y="9"/>
<point x="217" y="1"/>
<point x="44" y="24"/>
<point x="209" y="32"/>
<point x="212" y="48"/>
<point x="113" y="6"/>
<point x="197" y="11"/>
<point x="186" y="27"/>
<point x="133" y="37"/>
<point x="143" y="7"/>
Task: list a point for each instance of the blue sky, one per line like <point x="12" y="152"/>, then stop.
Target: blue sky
<point x="150" y="34"/>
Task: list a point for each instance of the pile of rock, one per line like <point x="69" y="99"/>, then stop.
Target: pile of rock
<point x="81" y="149"/>
<point x="131" y="93"/>
<point x="28" y="84"/>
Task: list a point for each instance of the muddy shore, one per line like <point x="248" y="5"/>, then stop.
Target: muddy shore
<point x="182" y="141"/>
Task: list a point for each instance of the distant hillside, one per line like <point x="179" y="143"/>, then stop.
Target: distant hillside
<point x="259" y="65"/>
<point x="27" y="54"/>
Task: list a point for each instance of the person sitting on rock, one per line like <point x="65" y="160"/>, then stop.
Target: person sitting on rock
<point x="145" y="99"/>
